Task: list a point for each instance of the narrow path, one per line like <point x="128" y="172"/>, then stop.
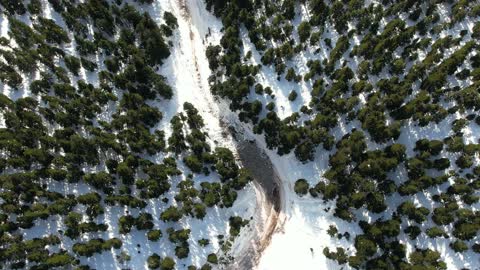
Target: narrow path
<point x="268" y="186"/>
<point x="185" y="12"/>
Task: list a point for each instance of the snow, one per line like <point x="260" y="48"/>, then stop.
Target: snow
<point x="301" y="238"/>
<point x="300" y="241"/>
<point x="308" y="218"/>
<point x="187" y="76"/>
<point x="189" y="81"/>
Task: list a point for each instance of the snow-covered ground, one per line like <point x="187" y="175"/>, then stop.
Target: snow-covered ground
<point x="301" y="238"/>
<point x="302" y="233"/>
<point x="189" y="81"/>
<point x="188" y="71"/>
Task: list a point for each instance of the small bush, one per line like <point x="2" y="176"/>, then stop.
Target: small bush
<point x="301" y="187"/>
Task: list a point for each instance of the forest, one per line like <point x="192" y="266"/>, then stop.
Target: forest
<point x="103" y="136"/>
<point x="387" y="66"/>
<point x="99" y="158"/>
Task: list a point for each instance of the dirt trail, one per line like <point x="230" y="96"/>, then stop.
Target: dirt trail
<point x="268" y="185"/>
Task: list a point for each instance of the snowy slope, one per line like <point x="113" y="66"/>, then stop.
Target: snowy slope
<point x="300" y="241"/>
<point x="189" y="81"/>
<point x="302" y="235"/>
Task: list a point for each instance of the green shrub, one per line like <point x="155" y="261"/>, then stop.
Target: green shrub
<point x="154" y="235"/>
<point x="293" y="95"/>
<point x="212" y="258"/>
<point x="301" y="187"/>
